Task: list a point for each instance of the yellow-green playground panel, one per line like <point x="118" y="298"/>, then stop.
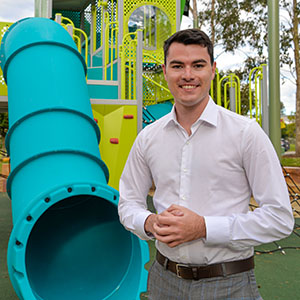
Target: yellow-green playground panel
<point x="118" y="127"/>
<point x="3" y="28"/>
<point x="117" y="132"/>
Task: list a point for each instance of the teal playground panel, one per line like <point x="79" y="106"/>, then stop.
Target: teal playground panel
<point x="103" y="91"/>
<point x="95" y="73"/>
<point x="67" y="242"/>
<point x="151" y="113"/>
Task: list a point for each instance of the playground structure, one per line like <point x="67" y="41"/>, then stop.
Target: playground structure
<point x="125" y="81"/>
<point x="66" y="224"/>
<point x="125" y="86"/>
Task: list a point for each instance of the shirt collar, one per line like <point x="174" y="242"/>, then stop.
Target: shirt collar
<point x="171" y="118"/>
<point x="209" y="115"/>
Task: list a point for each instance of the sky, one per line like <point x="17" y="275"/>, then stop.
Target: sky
<point x="13" y="10"/>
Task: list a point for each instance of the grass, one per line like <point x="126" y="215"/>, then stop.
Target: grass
<point x="277" y="274"/>
<point x="290" y="161"/>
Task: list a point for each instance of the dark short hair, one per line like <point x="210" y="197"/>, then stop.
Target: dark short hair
<point x="190" y="37"/>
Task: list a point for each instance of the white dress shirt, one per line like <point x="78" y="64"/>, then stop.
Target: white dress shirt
<point x="213" y="172"/>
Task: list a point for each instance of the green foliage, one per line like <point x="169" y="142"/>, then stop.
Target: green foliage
<point x="290" y="130"/>
<point x="234" y="24"/>
<point x="237" y="23"/>
<point x="3" y="123"/>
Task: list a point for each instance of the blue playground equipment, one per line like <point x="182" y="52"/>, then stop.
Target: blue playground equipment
<point x="67" y="242"/>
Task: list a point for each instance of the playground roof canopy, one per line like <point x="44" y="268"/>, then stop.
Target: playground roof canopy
<point x="75" y="5"/>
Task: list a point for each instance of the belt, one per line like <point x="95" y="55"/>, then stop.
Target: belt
<point x="200" y="272"/>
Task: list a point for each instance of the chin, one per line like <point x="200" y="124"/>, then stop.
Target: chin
<point x="190" y="102"/>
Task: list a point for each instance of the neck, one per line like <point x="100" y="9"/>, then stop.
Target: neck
<point x="188" y="115"/>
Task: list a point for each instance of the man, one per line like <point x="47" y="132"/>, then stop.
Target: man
<point x="206" y="162"/>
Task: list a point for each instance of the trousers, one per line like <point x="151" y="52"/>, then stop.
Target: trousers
<point x="165" y="285"/>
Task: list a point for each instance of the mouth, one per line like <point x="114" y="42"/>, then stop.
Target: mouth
<point x="189" y="86"/>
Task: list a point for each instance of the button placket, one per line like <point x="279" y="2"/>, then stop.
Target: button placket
<point x="184" y="172"/>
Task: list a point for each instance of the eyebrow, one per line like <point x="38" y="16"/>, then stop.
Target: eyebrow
<point x="181" y="63"/>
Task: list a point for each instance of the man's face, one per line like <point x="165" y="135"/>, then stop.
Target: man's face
<point x="188" y="72"/>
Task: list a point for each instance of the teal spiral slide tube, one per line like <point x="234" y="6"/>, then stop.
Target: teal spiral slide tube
<point x="67" y="242"/>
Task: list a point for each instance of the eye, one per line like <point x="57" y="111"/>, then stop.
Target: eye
<point x="176" y="66"/>
<point x="198" y="66"/>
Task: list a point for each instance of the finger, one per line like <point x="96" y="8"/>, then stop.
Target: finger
<point x="168" y="239"/>
<point x="162" y="230"/>
<point x="166" y="220"/>
<point x="175" y="210"/>
<point x="175" y="207"/>
<point x="177" y="213"/>
<point x="174" y="244"/>
<point x="166" y="213"/>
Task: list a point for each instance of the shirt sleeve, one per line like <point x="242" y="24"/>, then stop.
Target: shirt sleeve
<point x="134" y="186"/>
<point x="273" y="220"/>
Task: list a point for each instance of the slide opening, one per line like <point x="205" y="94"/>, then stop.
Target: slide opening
<point x="78" y="250"/>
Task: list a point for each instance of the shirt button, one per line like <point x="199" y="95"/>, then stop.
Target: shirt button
<point x="183" y="197"/>
<point x="185" y="170"/>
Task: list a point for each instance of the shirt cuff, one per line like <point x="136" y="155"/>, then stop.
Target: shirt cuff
<point x="139" y="224"/>
<point x="217" y="230"/>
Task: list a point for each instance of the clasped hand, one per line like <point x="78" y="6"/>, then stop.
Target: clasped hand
<point x="176" y="225"/>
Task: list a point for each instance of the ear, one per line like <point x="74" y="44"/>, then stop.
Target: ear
<point x="214" y="66"/>
<point x="164" y="70"/>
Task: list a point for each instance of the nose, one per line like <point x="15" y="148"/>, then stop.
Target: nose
<point x="188" y="73"/>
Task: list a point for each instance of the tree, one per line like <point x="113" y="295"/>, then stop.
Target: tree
<point x="233" y="25"/>
<point x="195" y="15"/>
<point x="238" y="23"/>
<point x="290" y="40"/>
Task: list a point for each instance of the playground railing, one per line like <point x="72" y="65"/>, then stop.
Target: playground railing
<point x="229" y="84"/>
<point x="218" y="92"/>
<point x="235" y="92"/>
<point x="94" y="33"/>
<point x="76" y="34"/>
<point x="155" y="89"/>
<point x="127" y="52"/>
<point x="258" y="77"/>
<point x="111" y="50"/>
